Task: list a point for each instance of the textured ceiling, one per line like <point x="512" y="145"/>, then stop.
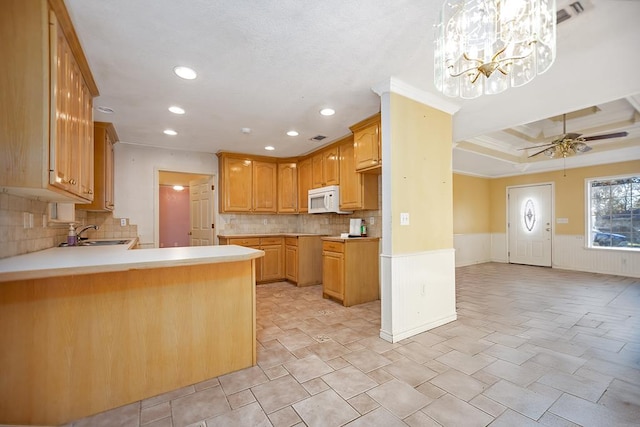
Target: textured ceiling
<point x="272" y="65"/>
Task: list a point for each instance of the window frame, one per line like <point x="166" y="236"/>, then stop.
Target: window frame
<point x="589" y="227"/>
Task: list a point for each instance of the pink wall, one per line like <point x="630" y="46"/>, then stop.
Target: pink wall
<point x="174" y="217"/>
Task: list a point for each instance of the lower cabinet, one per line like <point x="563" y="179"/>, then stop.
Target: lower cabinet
<point x="297" y="259"/>
<point x="350" y="270"/>
<point x="303" y="261"/>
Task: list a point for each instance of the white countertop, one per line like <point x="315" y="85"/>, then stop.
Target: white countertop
<point x="101" y="259"/>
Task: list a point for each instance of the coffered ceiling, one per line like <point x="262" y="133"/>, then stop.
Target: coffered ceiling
<point x="269" y="66"/>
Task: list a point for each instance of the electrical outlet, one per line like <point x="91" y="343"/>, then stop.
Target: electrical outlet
<point x="264" y="222"/>
<point x="404" y="218"/>
<point x="123" y="222"/>
<point x="372" y="220"/>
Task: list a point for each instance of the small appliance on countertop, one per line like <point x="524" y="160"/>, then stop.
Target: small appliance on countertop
<point x="357" y="227"/>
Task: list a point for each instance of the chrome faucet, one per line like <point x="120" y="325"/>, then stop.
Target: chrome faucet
<point x="80" y="230"/>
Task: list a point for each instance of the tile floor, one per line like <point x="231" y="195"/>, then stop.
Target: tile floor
<point x="531" y="346"/>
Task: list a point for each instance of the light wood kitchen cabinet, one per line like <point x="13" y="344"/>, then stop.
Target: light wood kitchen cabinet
<point x="247" y="185"/>
<point x="104" y="137"/>
<point x="270" y="267"/>
<point x="325" y="168"/>
<point x="265" y="186"/>
<point x="303" y="260"/>
<point x="288" y="187"/>
<point x="350" y="270"/>
<point x="46" y="97"/>
<point x="305" y="183"/>
<point x="367" y="145"/>
<point x="357" y="191"/>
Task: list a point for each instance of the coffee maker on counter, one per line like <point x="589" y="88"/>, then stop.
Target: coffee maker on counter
<point x="357" y="227"/>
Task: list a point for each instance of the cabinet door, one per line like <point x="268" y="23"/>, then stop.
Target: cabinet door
<point x="272" y="262"/>
<point x="333" y="274"/>
<point x="108" y="173"/>
<point x="85" y="131"/>
<point x="291" y="263"/>
<point x="235" y="193"/>
<point x="287" y="187"/>
<point x="305" y="178"/>
<point x="330" y="166"/>
<point x="367" y="147"/>
<point x="265" y="188"/>
<point x="351" y="181"/>
<point x="317" y="169"/>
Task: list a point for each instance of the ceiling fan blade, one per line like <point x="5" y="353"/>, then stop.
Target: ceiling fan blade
<point x="571" y="136"/>
<point x="538" y="146"/>
<point x="606" y="136"/>
<point x="539" y="152"/>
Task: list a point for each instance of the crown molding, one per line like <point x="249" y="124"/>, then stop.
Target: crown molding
<point x="401" y="88"/>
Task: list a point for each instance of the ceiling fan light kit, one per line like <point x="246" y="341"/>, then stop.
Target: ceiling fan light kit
<point x="487" y="46"/>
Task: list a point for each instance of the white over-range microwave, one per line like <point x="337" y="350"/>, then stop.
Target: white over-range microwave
<point x="325" y="200"/>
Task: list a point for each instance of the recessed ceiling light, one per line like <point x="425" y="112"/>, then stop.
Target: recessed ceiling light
<point x="292" y="133"/>
<point x="105" y="110"/>
<point x="327" y="111"/>
<point x="170" y="132"/>
<point x="269" y="148"/>
<point x="178" y="187"/>
<point x="185" y="73"/>
<point x="176" y="110"/>
<point x="246" y="131"/>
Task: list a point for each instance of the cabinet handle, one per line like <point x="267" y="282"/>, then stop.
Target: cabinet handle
<point x="90" y="191"/>
<point x="69" y="181"/>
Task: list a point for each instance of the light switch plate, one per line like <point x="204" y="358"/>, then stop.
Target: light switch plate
<point x="404" y="218"/>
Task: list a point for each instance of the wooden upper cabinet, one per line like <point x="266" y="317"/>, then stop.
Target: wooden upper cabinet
<point x="104" y="138"/>
<point x="367" y="145"/>
<point x="287" y="187"/>
<point x="357" y="191"/>
<point x="325" y="168"/>
<point x="46" y="101"/>
<point x="247" y="184"/>
<point x="305" y="178"/>
<point x="265" y="186"/>
<point x="236" y="176"/>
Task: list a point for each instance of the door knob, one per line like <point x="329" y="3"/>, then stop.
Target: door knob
<point x="548" y="229"/>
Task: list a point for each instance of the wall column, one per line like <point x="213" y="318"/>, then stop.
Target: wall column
<point x="418" y="259"/>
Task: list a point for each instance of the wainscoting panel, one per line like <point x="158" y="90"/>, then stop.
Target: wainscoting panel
<point x="499" y="247"/>
<point x="472" y="248"/>
<point x="569" y="253"/>
<point x="419" y="290"/>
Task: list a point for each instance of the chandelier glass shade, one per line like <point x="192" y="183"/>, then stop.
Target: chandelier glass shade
<point x="567" y="148"/>
<point x="487" y="46"/>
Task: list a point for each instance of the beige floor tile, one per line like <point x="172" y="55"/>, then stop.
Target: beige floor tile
<point x="279" y="393"/>
<point x="508" y="354"/>
<point x="308" y="368"/>
<point x="285" y="417"/>
<point x="588" y="414"/>
<point x="349" y="382"/>
<point x="467" y="345"/>
<point x="328" y="350"/>
<point x="125" y="416"/>
<point x="294" y="339"/>
<point x="242" y="380"/>
<point x="487" y="405"/>
<point x="240" y="399"/>
<point x="552" y="420"/>
<point x="377" y="418"/>
<point x="417" y="352"/>
<point x="458" y="384"/>
<point x="518" y="374"/>
<point x="450" y="411"/>
<point x="213" y="382"/>
<point x="558" y="361"/>
<point x="505" y="339"/>
<point x="410" y="372"/>
<point x="166" y="397"/>
<point x="623" y="398"/>
<point x="399" y="398"/>
<point x="366" y="360"/>
<point x="276" y="355"/>
<point x="511" y="418"/>
<point x="249" y="415"/>
<point x="526" y="402"/>
<point x="315" y="386"/>
<point x="573" y="384"/>
<point x="163" y="422"/>
<point x="154" y="413"/>
<point x="363" y="403"/>
<point x="464" y="362"/>
<point x="325" y="409"/>
<point x="199" y="406"/>
<point x="420" y="419"/>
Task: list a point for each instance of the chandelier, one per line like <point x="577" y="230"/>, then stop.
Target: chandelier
<point x="567" y="147"/>
<point x="487" y="46"/>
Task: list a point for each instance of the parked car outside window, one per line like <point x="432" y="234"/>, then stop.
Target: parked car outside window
<point x="601" y="238"/>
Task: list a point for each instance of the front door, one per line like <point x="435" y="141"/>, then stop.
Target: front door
<point x="530" y="225"/>
<point x="201" y="199"/>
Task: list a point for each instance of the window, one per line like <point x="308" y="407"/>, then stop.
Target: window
<point x="614" y="212"/>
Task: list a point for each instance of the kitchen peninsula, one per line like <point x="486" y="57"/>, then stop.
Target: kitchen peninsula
<point x="87" y="329"/>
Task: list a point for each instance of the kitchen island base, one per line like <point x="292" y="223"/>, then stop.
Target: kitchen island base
<point x="76" y="345"/>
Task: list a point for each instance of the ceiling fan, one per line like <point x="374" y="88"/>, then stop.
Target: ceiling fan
<point x="570" y="143"/>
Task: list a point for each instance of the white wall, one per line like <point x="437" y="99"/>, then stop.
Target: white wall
<point x="136" y="186"/>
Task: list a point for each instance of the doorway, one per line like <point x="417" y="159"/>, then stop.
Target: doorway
<point x="530" y="224"/>
<point x="185" y="209"/>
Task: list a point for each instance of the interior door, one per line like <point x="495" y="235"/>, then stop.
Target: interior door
<point x="201" y="199"/>
<point x="530" y="225"/>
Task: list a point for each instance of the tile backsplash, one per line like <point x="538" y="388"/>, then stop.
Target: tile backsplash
<point x="24" y="227"/>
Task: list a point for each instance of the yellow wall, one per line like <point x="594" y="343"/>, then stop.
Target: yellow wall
<point x="569" y="193"/>
<point x="422" y="177"/>
<point x="471" y="204"/>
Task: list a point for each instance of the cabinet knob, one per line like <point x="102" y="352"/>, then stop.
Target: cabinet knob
<point x="90" y="191"/>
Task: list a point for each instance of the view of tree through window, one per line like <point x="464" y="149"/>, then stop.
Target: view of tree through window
<point x="615" y="212"/>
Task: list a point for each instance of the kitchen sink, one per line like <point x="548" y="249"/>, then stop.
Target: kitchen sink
<point x="99" y="243"/>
